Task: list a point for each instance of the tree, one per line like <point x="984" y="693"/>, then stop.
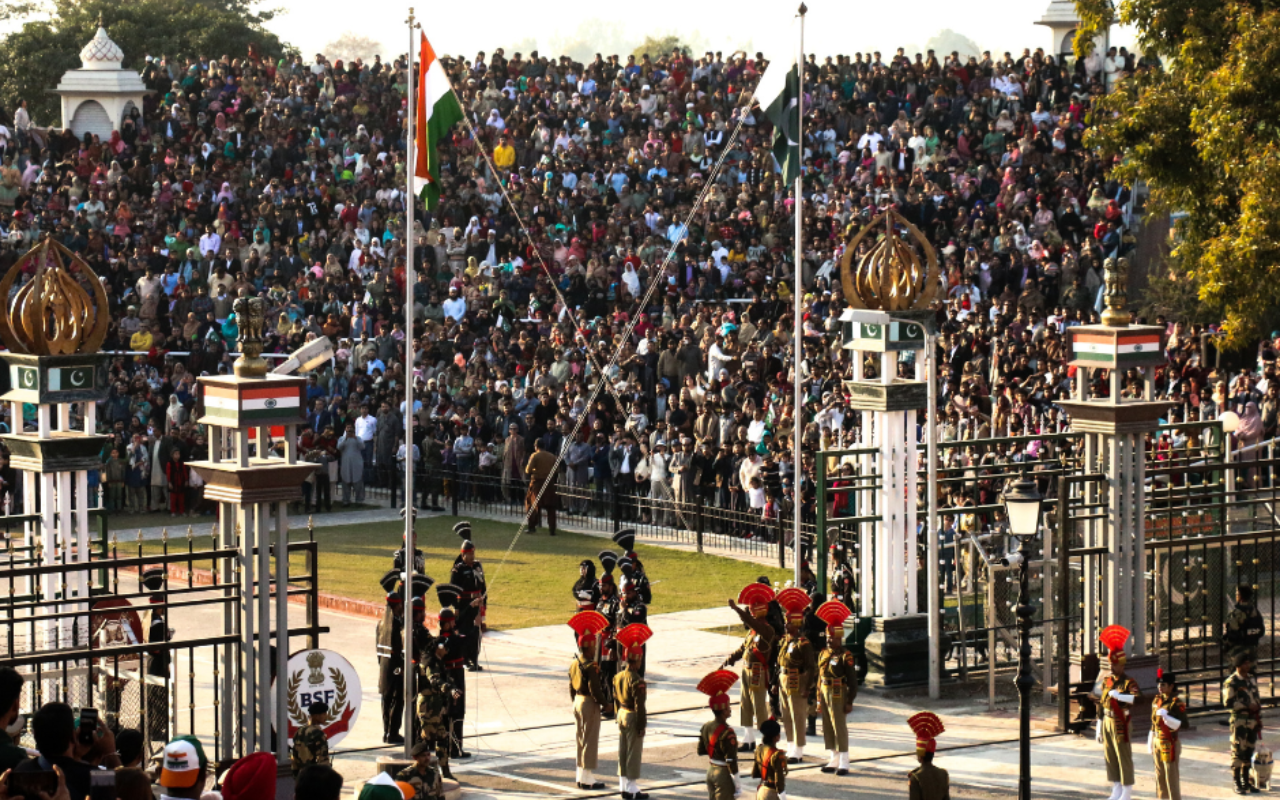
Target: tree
<point x="1205" y="137"/>
<point x="660" y="46"/>
<point x="34" y="58"/>
<point x="947" y="41"/>
<point x="350" y="46"/>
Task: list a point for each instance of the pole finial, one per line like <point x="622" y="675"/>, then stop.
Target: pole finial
<point x="803" y="9"/>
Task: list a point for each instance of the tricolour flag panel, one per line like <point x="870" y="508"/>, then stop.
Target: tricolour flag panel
<point x="1142" y="348"/>
<point x="438" y="111"/>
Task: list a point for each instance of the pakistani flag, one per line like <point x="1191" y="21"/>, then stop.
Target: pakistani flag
<point x="779" y="97"/>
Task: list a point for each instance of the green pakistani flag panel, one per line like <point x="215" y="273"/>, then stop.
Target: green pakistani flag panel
<point x="779" y="96"/>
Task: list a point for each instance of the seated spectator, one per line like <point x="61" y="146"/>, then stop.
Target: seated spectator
<point x="318" y="782"/>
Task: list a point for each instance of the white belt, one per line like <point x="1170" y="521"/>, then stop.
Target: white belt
<point x="715" y="763"/>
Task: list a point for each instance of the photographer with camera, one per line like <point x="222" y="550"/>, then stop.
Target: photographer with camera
<point x="71" y="750"/>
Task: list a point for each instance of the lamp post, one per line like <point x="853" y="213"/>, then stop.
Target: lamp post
<point x="1022" y="503"/>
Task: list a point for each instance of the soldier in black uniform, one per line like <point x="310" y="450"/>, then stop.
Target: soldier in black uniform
<point x="630" y="565"/>
<point x="468" y="576"/>
<point x="633" y="610"/>
<point x="815" y="630"/>
<point x="455" y="618"/>
<point x="391" y="659"/>
<point x="586" y="590"/>
<point x="610" y="605"/>
<point x="157" y="659"/>
<point x="843" y="581"/>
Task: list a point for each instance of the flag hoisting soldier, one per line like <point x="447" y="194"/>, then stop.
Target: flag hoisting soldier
<point x="436" y="696"/>
<point x="455" y="618"/>
<point x="837" y="687"/>
<point x="468" y="576"/>
<point x="716" y="740"/>
<point x="927" y="782"/>
<point x="1240" y="695"/>
<point x="610" y="605"/>
<point x="629" y="694"/>
<point x="1168" y="714"/>
<point x="1117" y="693"/>
<point x="797" y="670"/>
<point x="756" y="653"/>
<point x="1245" y="625"/>
<point x="390" y="636"/>
<point x="587" y="693"/>
<point x="310" y="745"/>
<point x="770" y="765"/>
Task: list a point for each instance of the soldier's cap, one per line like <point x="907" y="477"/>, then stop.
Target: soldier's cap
<point x="421" y="749"/>
<point x="626" y="565"/>
<point x="390" y="580"/>
<point x="1165" y="676"/>
<point x="608" y="560"/>
<point x="448" y="595"/>
<point x="765" y="580"/>
<point x="421" y="585"/>
<point x="467" y="546"/>
<point x="1241" y="657"/>
<point x="318" y="707"/>
<point x="626" y="539"/>
<point x="153" y="578"/>
<point x="447" y="613"/>
<point x="463" y="529"/>
<point x="419" y="602"/>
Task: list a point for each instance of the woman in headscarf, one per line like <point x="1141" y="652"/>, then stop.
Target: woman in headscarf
<point x="226" y="195"/>
<point x="631" y="279"/>
<point x="495" y="120"/>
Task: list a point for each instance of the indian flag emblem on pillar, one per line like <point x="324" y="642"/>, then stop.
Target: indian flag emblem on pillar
<point x="1120" y="349"/>
<point x="252" y="405"/>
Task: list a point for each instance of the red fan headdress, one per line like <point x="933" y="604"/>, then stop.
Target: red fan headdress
<point x="716" y="686"/>
<point x="926" y="726"/>
<point x="1114" y="638"/>
<point x="632" y="638"/>
<point x="757" y="597"/>
<point x="834" y="613"/>
<point x="587" y="626"/>
<point x="794" y="602"/>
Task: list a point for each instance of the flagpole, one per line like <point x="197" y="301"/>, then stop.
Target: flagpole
<point x="409" y="560"/>
<point x="797" y="416"/>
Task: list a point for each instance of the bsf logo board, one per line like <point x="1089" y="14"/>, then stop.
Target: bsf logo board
<point x="321" y="676"/>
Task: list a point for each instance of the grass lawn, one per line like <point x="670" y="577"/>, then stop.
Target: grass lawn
<point x="532" y="587"/>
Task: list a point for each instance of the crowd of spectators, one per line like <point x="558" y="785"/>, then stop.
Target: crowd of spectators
<point x="572" y="188"/>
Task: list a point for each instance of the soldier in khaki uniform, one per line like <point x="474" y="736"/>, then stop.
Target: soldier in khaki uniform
<point x="436" y="693"/>
<point x="927" y="782"/>
<point x="587" y="693"/>
<point x="1240" y="694"/>
<point x="424" y="773"/>
<point x="310" y="745"/>
<point x="837" y="687"/>
<point x="755" y="653"/>
<point x="1116" y="693"/>
<point x="797" y="671"/>
<point x="1168" y="714"/>
<point x="716" y="740"/>
<point x="1245" y="626"/>
<point x="770" y="765"/>
<point x="629" y="696"/>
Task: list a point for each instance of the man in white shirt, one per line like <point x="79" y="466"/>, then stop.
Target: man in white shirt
<point x="366" y="428"/>
<point x="211" y="242"/>
<point x="455" y="307"/>
<point x="871" y="138"/>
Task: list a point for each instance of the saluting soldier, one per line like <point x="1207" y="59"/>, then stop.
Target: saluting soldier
<point x="927" y="782"/>
<point x="1240" y="694"/>
<point x="310" y="745"/>
<point x="1117" y="693"/>
<point x="390" y="638"/>
<point x="797" y="668"/>
<point x="716" y="740"/>
<point x="770" y="765"/>
<point x="837" y="687"/>
<point x="455" y="618"/>
<point x="587" y="694"/>
<point x="1168" y="714"/>
<point x="468" y="576"/>
<point x="629" y="694"/>
<point x="586" y="590"/>
<point x="1245" y="626"/>
<point x="436" y="695"/>
<point x="610" y="605"/>
<point x="756" y="653"/>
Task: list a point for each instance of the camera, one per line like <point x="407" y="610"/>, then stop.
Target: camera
<point x="88" y="726"/>
<point x="1012" y="560"/>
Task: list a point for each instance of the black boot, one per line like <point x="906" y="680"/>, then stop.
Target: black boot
<point x="1237" y="775"/>
<point x="812" y="728"/>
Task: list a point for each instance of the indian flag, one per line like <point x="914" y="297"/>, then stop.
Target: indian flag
<point x="266" y="403"/>
<point x="438" y="111"/>
<point x="1139" y="349"/>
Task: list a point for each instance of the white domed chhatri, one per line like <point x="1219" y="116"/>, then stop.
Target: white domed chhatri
<point x="101" y="52"/>
<point x="99" y="96"/>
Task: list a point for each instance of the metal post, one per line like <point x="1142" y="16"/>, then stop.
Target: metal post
<point x="931" y="488"/>
<point x="282" y="628"/>
<point x="1064" y="595"/>
<point x="411" y="107"/>
<point x="1024" y="681"/>
<point x="797" y="339"/>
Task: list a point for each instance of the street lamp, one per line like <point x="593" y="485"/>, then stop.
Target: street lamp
<point x="1022" y="503"/>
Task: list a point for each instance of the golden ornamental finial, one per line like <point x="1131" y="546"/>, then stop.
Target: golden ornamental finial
<point x="54" y="313"/>
<point x="891" y="277"/>
<point x="251" y="319"/>
<point x="1115" y="275"/>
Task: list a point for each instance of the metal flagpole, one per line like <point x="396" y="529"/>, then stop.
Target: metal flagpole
<point x="406" y="640"/>
<point x="797" y="415"/>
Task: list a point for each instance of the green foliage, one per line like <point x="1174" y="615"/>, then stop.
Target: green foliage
<point x="34" y="58"/>
<point x="1205" y="136"/>
<point x="660" y="46"/>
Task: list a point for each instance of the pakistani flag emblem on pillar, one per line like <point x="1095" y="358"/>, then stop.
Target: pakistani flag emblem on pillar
<point x="779" y="97"/>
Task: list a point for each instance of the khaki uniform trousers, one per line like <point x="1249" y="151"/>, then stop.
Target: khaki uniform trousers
<point x="1168" y="782"/>
<point x="1118" y="754"/>
<point x="754" y="700"/>
<point x="719" y="782"/>
<point x="586" y="717"/>
<point x="835" y="729"/>
<point x="795" y="716"/>
<point x="630" y="745"/>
